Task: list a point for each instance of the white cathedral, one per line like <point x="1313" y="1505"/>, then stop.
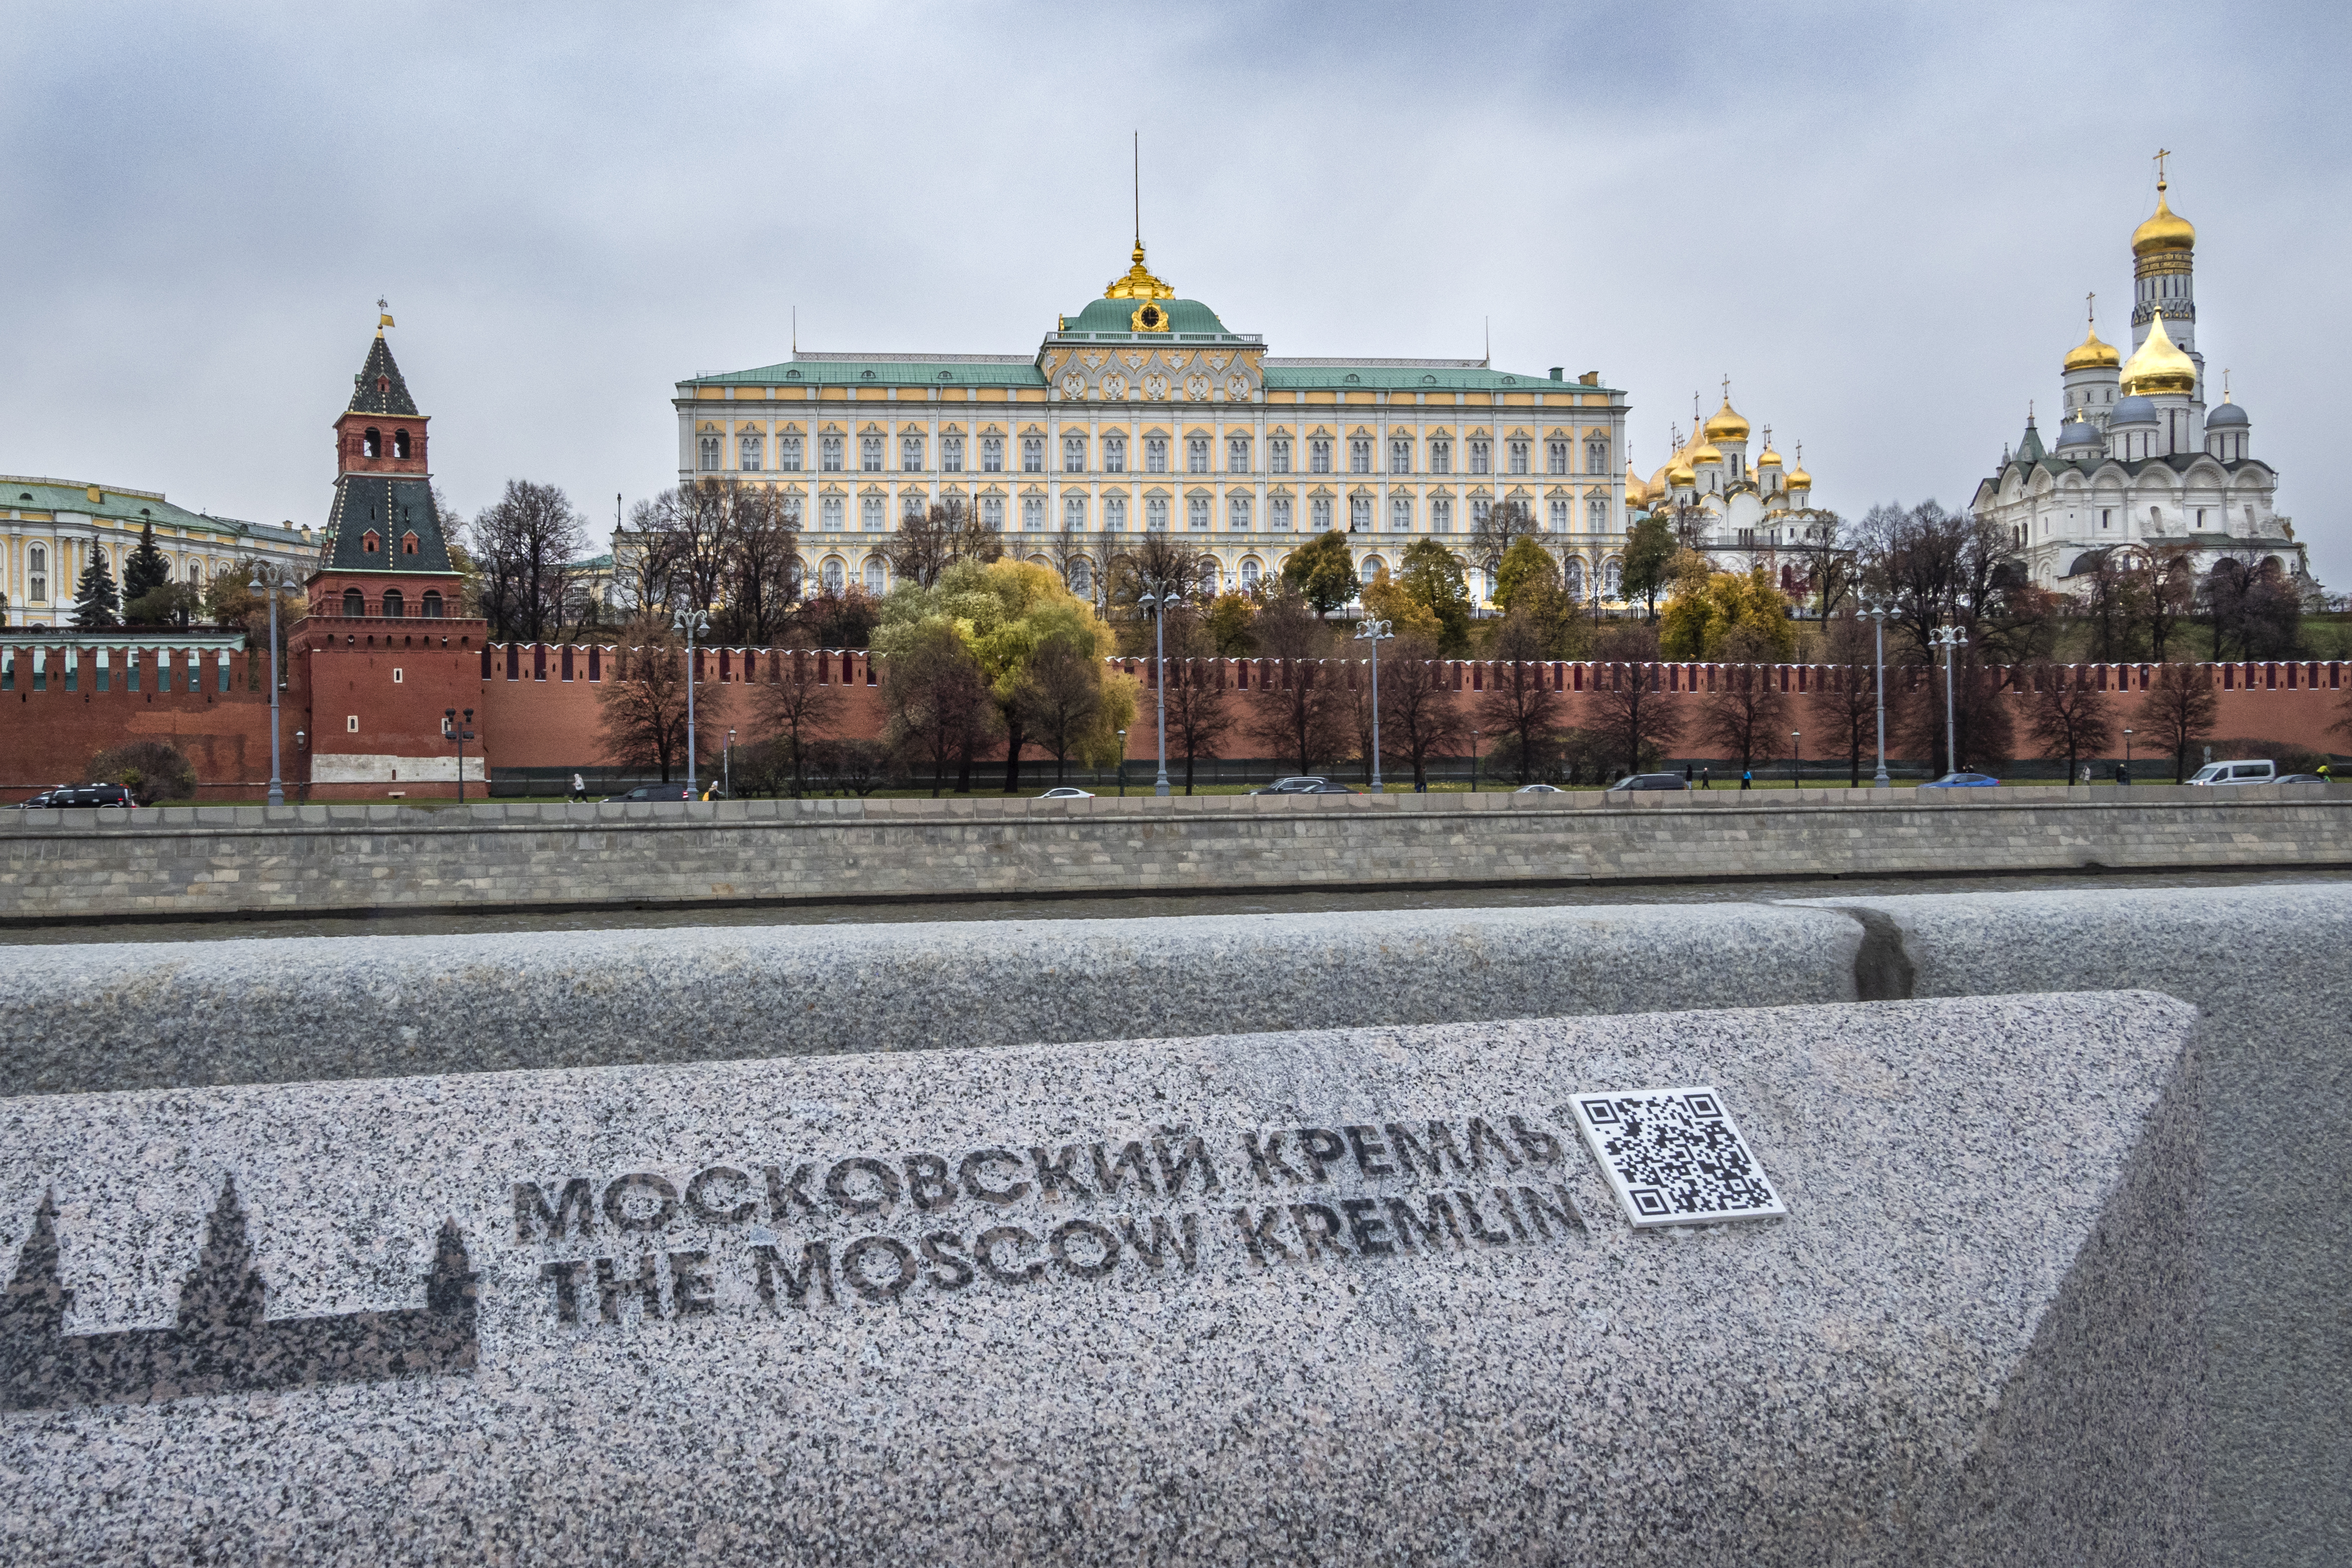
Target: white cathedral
<point x="2141" y="460"/>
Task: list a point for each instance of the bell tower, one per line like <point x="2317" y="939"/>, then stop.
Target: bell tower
<point x="385" y="554"/>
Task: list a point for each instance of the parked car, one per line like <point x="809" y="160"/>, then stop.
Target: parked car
<point x="79" y="795"/>
<point x="1326" y="788"/>
<point x="655" y="792"/>
<point x="2301" y="779"/>
<point x="1651" y="781"/>
<point x="1066" y="793"/>
<point x="1962" y="781"/>
<point x="1296" y="784"/>
<point x="1539" y="790"/>
<point x="2243" y="770"/>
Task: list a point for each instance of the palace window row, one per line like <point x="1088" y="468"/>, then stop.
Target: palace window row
<point x="1200" y="513"/>
<point x="751" y="455"/>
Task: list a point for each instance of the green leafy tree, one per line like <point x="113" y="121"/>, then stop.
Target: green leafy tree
<point x="144" y="569"/>
<point x="1324" y="572"/>
<point x="168" y="604"/>
<point x="1431" y="579"/>
<point x="1650" y="550"/>
<point x="1706" y="608"/>
<point x="96" y="600"/>
<point x="1229" y="622"/>
<point x="1386" y="600"/>
<point x="1006" y="614"/>
<point x="1525" y="564"/>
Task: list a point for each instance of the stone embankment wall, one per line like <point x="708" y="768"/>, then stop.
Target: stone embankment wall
<point x="213" y="861"/>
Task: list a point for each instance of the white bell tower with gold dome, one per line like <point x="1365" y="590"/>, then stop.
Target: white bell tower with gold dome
<point x="2141" y="471"/>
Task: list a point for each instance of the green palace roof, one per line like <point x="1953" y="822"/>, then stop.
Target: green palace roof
<point x="130" y="507"/>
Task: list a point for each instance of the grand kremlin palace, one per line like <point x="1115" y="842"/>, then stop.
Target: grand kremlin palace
<point x="1143" y="412"/>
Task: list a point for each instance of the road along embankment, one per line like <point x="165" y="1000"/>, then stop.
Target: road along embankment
<point x="206" y="861"/>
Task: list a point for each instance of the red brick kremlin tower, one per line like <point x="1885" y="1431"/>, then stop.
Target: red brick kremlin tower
<point x="387" y="645"/>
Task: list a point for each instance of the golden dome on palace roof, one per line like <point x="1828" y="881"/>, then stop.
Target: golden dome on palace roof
<point x="1705" y="452"/>
<point x="2164" y="230"/>
<point x="2092" y="354"/>
<point x="1635" y="491"/>
<point x="1726" y="424"/>
<point x="1680" y="475"/>
<point x="1770" y="459"/>
<point x="1139" y="283"/>
<point x="2159" y="365"/>
<point x="1799" y="480"/>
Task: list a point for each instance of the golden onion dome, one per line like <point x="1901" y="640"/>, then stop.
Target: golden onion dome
<point x="1770" y="459"/>
<point x="1704" y="452"/>
<point x="1635" y="491"/>
<point x="1680" y="477"/>
<point x="2091" y="354"/>
<point x="2164" y="230"/>
<point x="1799" y="480"/>
<point x="1657" y="482"/>
<point x="2157" y="366"/>
<point x="1726" y="424"/>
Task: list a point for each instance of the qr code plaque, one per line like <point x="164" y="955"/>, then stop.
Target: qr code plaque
<point x="1672" y="1156"/>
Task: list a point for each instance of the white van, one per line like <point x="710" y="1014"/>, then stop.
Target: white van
<point x="2261" y="771"/>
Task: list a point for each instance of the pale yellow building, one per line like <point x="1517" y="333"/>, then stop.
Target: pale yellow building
<point x="49" y="527"/>
<point x="1143" y="412"/>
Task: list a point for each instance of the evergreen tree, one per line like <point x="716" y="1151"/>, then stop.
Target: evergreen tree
<point x="96" y="602"/>
<point x="146" y="569"/>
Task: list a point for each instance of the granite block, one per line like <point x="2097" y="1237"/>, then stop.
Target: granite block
<point x="2271" y="967"/>
<point x="153" y="1014"/>
<point x="1340" y="1296"/>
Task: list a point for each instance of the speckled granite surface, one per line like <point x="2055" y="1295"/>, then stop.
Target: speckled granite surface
<point x="163" y="1015"/>
<point x="2271" y="968"/>
<point x="997" y="1307"/>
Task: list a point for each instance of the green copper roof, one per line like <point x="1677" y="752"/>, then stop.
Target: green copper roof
<point x="131" y="508"/>
<point x="1119" y="316"/>
<point x="1349" y="375"/>
<point x="945" y="371"/>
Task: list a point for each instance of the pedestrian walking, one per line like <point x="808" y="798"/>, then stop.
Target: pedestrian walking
<point x="578" y="788"/>
<point x="1706" y="777"/>
<point x="1746" y="777"/>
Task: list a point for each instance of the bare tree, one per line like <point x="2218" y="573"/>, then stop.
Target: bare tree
<point x="1849" y="708"/>
<point x="1986" y="737"/>
<point x="1071" y="558"/>
<point x="762" y="568"/>
<point x="521" y="548"/>
<point x="2065" y="716"/>
<point x="930" y="541"/>
<point x="1516" y="701"/>
<point x="1747" y="713"/>
<point x="1302" y="719"/>
<point x="643" y="704"/>
<point x="1060" y="695"/>
<point x="2179" y="710"/>
<point x="1949" y="569"/>
<point x="684" y="538"/>
<point x="939" y="703"/>
<point x="796" y="710"/>
<point x="1198" y="715"/>
<point x="1492" y="535"/>
<point x="1636" y="720"/>
<point x="1419" y="716"/>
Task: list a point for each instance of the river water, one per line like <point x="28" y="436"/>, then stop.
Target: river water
<point x="1140" y="906"/>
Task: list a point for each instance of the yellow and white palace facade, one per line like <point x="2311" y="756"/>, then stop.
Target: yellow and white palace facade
<point x="49" y="528"/>
<point x="1143" y="414"/>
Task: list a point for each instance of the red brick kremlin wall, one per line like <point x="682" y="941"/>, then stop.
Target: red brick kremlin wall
<point x="536" y="704"/>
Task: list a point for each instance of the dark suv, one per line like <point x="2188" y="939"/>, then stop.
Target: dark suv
<point x="79" y="795"/>
<point x="1651" y="781"/>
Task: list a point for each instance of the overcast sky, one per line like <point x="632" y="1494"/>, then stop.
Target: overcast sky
<point x="1879" y="221"/>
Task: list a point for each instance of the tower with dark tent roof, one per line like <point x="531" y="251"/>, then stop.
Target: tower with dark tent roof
<point x="387" y="649"/>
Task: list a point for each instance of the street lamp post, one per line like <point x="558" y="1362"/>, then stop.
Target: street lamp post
<point x="1875" y="614"/>
<point x="277" y="784"/>
<point x="1374" y="632"/>
<point x="1474" y="761"/>
<point x="1951" y="639"/>
<point x="460" y="731"/>
<point x="691" y="622"/>
<point x="1122" y="765"/>
<point x="1797" y="759"/>
<point x="2127" y="778"/>
<point x="1158" y="604"/>
<point x="727" y="767"/>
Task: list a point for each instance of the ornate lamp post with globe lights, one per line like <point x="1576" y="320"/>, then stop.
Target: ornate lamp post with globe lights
<point x="1375" y="632"/>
